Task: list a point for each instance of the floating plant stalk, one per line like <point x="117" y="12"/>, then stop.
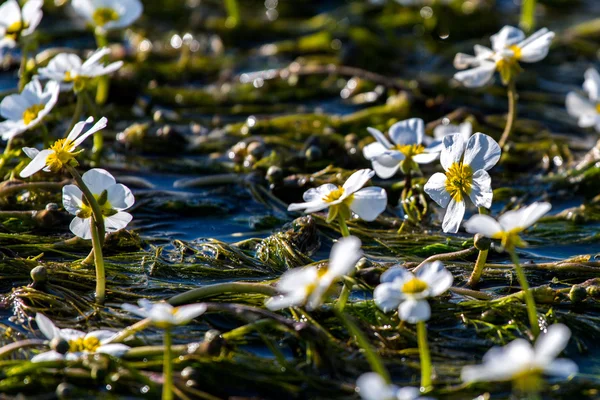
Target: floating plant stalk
<point x="527" y="21"/>
<point x="424" y="355"/>
<point x="512" y="111"/>
<point x="103" y="81"/>
<point x="347" y="288"/>
<point x="529" y="300"/>
<point x="167" y="392"/>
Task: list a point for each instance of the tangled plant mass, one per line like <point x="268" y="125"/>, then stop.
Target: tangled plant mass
<point x="400" y="281"/>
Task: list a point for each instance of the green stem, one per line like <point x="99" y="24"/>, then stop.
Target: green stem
<point x="77" y="113"/>
<point x="527" y="21"/>
<point x="167" y="393"/>
<point x="194" y="295"/>
<point x="103" y="81"/>
<point x="98" y="138"/>
<point x="45" y="135"/>
<point x="99" y="262"/>
<point x="425" y="356"/>
<point x="343" y="226"/>
<point x="370" y="354"/>
<point x="481" y="259"/>
<point x="529" y="300"/>
<point x="23" y="67"/>
<point x="512" y="112"/>
<point x="233" y="13"/>
<point x="6" y="152"/>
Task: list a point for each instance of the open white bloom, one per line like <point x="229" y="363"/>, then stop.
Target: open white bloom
<point x="16" y="21"/>
<point x="509" y="225"/>
<point x="308" y="285"/>
<point x="587" y="111"/>
<point x="371" y="386"/>
<point x="79" y="342"/>
<point x="69" y="70"/>
<point x="466" y="166"/>
<point x="113" y="198"/>
<point x="62" y="152"/>
<point x="524" y="364"/>
<point x="436" y="145"/>
<point x="509" y="47"/>
<point x="408" y="292"/>
<point x="164" y="315"/>
<point x="407" y="148"/>
<point x="26" y="110"/>
<point x="367" y="203"/>
<point x="109" y="14"/>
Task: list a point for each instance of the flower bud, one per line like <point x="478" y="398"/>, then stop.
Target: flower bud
<point x="577" y="294"/>
<point x="481" y="242"/>
<point x="59" y="345"/>
<point x="39" y="275"/>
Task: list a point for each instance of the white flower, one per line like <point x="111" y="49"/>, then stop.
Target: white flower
<point x="524" y="364"/>
<point x="509" y="225"/>
<point x="371" y="386"/>
<point x="109" y="14"/>
<point x="16" y="22"/>
<point x="509" y="47"/>
<point x="164" y="315"/>
<point x="367" y="203"/>
<point x="79" y="342"/>
<point x="586" y="110"/>
<point x="308" y="285"/>
<point x="112" y="197"/>
<point x="26" y="110"/>
<point x="408" y="147"/>
<point x="400" y="288"/>
<point x="62" y="152"/>
<point x="71" y="72"/>
<point x="466" y="167"/>
<point x="436" y="145"/>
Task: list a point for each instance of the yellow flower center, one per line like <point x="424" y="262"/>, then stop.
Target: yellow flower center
<point x="509" y="67"/>
<point x="104" y="15"/>
<point x="409" y="150"/>
<point x="334" y="195"/>
<point x="15" y="29"/>
<point x="459" y="180"/>
<point x="32" y="112"/>
<point x="516" y="51"/>
<point x="79" y="82"/>
<point x="510" y="239"/>
<point x="105" y="207"/>
<point x="598" y="108"/>
<point x="414" y="286"/>
<point x="528" y="381"/>
<point x="89" y="344"/>
<point x="61" y="155"/>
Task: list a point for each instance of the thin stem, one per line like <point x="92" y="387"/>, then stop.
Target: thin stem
<point x="371" y="355"/>
<point x="167" y="393"/>
<point x="424" y="355"/>
<point x="194" y="295"/>
<point x="527" y="21"/>
<point x="446" y="257"/>
<point x="343" y="226"/>
<point x="478" y="268"/>
<point x="99" y="262"/>
<point x="529" y="300"/>
<point x="6" y="152"/>
<point x="512" y="112"/>
<point x="233" y="13"/>
<point x="23" y="66"/>
<point x="103" y="81"/>
<point x="21" y="344"/>
<point x="45" y="135"/>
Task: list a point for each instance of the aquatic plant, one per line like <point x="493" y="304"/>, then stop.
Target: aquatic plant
<point x="587" y="111"/>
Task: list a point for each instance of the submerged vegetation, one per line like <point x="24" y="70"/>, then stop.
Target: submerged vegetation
<point x="306" y="199"/>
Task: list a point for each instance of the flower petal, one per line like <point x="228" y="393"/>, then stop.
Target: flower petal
<point x="371" y="386"/>
<point x="535" y="47"/>
<point x="113" y="349"/>
<point x="388" y="296"/>
<point x="357" y="180"/>
<point x="454" y="216"/>
<point x="551" y="343"/>
<point x="478" y="76"/>
<point x="592" y="84"/>
<point x="426" y="157"/>
<point x="47" y="356"/>
<point x="38" y="163"/>
<point x="437" y="277"/>
<point x="481" y="189"/>
<point x="318" y="193"/>
<point x="380" y="137"/>
<point x="46" y="326"/>
<point x="373" y="150"/>
<point x="101" y="124"/>
<point x="369" y="202"/>
<point x="309" y="207"/>
<point x="185" y="314"/>
<point x="120" y="197"/>
<point x="76" y="131"/>
<point x="482" y="152"/>
<point x="396" y="274"/>
<point x="410" y="131"/>
<point x="81" y="228"/>
<point x="72" y="199"/>
<point x="436" y="189"/>
<point x="98" y="180"/>
<point x="562" y="368"/>
<point x="413" y="311"/>
<point x="484" y="225"/>
<point x="117" y="222"/>
<point x="582" y="108"/>
<point x="507" y="36"/>
<point x="454" y="147"/>
<point x="345" y="253"/>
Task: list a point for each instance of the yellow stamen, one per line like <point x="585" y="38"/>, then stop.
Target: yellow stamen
<point x="105" y="207"/>
<point x="32" y="112"/>
<point x="516" y="51"/>
<point x="528" y="381"/>
<point x="598" y="108"/>
<point x="89" y="344"/>
<point x="15" y="29"/>
<point x="410" y="150"/>
<point x="459" y="180"/>
<point x="104" y="15"/>
<point x="511" y="239"/>
<point x="414" y="286"/>
<point x="334" y="195"/>
<point x="61" y="155"/>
